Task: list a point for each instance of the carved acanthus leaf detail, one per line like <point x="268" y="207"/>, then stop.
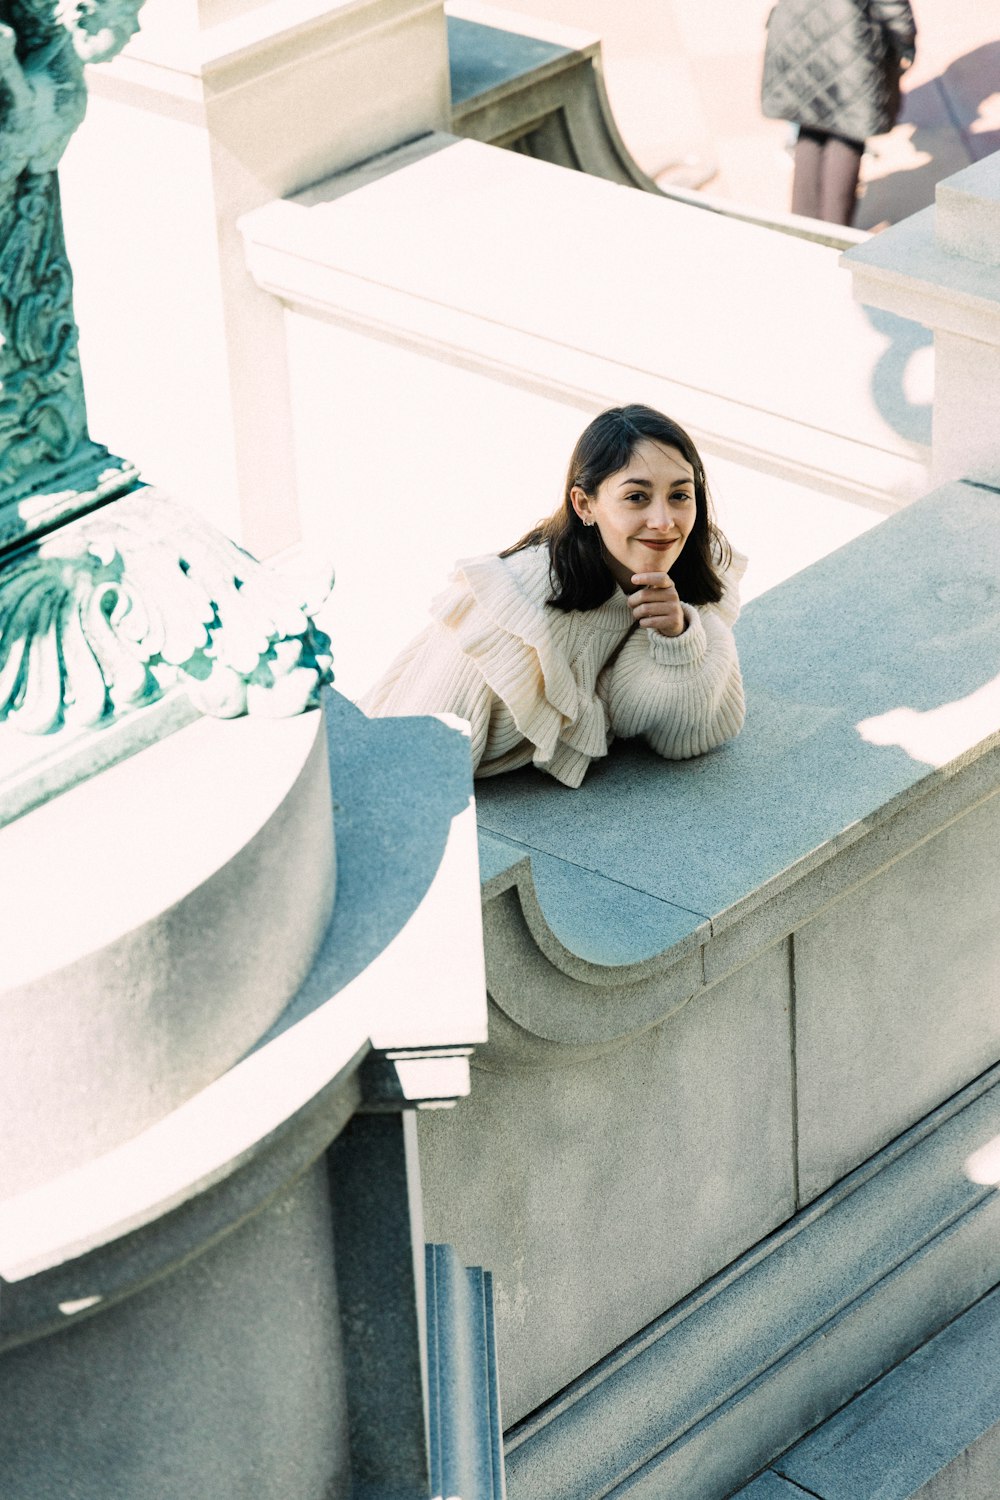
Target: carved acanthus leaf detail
<point x="104" y="616"/>
<point x="43" y="97"/>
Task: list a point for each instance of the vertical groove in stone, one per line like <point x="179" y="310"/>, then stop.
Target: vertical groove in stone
<point x="794" y="1077"/>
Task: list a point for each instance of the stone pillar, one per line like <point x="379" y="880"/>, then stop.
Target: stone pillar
<point x="942" y="268"/>
<point x="215" y="108"/>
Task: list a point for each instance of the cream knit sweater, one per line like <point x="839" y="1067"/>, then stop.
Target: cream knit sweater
<point x="542" y="685"/>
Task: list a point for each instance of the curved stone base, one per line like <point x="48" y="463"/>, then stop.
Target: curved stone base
<point x="184" y="1389"/>
<point x="157" y="918"/>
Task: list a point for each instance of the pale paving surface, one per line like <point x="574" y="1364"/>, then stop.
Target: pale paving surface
<point x="683" y="79"/>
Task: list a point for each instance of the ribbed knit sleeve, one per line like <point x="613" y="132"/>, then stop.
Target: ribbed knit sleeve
<point x="434" y="675"/>
<point x="683" y="694"/>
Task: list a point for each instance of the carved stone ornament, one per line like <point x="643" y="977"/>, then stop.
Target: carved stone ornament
<point x="105" y="615"/>
<point x="43" y="97"/>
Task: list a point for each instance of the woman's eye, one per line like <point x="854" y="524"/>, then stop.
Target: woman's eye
<point x="639" y="497"/>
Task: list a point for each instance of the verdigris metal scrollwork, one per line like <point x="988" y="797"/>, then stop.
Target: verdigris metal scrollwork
<point x="106" y="615"/>
<point x="43" y="97"/>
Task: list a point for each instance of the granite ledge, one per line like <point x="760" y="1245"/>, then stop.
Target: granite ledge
<point x="869" y="729"/>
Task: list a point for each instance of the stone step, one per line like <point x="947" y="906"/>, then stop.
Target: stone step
<point x="928" y="1430"/>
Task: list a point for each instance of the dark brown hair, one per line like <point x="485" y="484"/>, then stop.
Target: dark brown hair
<point x="581" y="578"/>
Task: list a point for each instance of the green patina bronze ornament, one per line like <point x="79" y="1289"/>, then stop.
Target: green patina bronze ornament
<point x="109" y="613"/>
<point x="46" y="456"/>
<point x="118" y="607"/>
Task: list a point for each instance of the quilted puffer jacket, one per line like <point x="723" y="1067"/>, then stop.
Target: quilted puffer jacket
<point x="834" y="65"/>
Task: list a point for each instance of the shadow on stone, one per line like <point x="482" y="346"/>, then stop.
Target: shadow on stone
<point x="403" y="826"/>
<point x="911" y="419"/>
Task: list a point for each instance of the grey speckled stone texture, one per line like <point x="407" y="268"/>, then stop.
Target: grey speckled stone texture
<point x="222" y="1380"/>
<point x="608" y="1187"/>
<point x="896" y="996"/>
<point x="770" y="1486"/>
<point x="928" y="1429"/>
<point x="484" y="58"/>
<point x="822" y="652"/>
<point x="715" y="1390"/>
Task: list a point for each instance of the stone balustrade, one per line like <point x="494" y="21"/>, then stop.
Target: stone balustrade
<point x="485" y="297"/>
<point x="743" y="1037"/>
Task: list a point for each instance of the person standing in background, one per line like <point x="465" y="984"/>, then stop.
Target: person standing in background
<point x="833" y="67"/>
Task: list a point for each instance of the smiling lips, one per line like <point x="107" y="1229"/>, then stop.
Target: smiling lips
<point x="656" y="545"/>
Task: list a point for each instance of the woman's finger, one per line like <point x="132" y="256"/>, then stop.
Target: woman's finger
<point x="653" y="601"/>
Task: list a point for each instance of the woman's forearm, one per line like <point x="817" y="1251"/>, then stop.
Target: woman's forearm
<point x="683" y="695"/>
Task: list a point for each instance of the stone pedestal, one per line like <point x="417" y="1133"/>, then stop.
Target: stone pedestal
<point x="213" y="1264"/>
<point x="942" y="268"/>
<point x="212" y="110"/>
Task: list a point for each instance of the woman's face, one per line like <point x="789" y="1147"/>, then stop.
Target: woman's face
<point x="644" y="512"/>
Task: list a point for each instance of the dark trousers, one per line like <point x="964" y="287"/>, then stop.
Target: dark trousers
<point x="826" y="176"/>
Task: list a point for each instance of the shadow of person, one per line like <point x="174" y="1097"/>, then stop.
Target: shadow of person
<point x="944" y="113"/>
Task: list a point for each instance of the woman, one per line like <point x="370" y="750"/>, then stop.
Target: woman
<point x="610" y="618"/>
<point x="832" y="67"/>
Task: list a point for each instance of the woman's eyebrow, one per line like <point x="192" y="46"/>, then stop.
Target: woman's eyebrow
<point x="645" y="484"/>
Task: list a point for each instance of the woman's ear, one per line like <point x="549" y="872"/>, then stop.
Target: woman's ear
<point x="580" y="501"/>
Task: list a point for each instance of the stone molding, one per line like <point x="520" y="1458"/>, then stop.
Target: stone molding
<point x="130" y="1214"/>
<point x="709" y="1394"/>
<point x="173" y="935"/>
<point x="226" y="54"/>
<point x="328" y="254"/>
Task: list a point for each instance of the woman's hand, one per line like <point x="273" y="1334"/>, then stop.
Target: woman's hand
<point x="656" y="604"/>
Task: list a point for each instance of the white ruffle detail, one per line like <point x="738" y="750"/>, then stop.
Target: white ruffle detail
<point x="496" y="610"/>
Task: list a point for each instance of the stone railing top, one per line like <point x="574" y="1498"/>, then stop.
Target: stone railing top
<point x="871" y="678"/>
<point x="460" y="250"/>
<point x="489" y="48"/>
<point x="967" y="212"/>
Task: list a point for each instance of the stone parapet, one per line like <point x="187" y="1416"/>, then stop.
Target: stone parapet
<point x="459" y="251"/>
<point x="439" y="276"/>
<point x="719" y="987"/>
